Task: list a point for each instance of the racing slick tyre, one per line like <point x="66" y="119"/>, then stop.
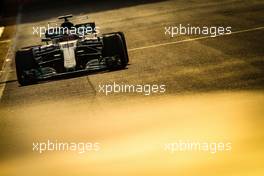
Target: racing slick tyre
<point x="24" y="61"/>
<point x="113" y="46"/>
<point x="122" y="35"/>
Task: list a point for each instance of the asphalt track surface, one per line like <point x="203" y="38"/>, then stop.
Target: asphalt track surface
<point x="214" y="92"/>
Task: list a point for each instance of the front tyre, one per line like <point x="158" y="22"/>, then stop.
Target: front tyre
<point x="122" y="35"/>
<point x="113" y="46"/>
<point x="24" y="62"/>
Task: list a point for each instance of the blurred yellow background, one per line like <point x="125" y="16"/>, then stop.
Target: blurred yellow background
<point x="132" y="134"/>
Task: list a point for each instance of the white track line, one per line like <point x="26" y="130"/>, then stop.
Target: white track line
<point x="1" y="30"/>
<point x="5" y="41"/>
<point x="4" y="73"/>
<point x="193" y="39"/>
<point x="8" y="59"/>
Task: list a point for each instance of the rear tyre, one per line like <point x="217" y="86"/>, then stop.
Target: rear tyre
<point x="24" y="61"/>
<point x="114" y="46"/>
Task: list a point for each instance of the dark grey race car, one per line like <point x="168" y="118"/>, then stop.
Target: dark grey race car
<point x="67" y="53"/>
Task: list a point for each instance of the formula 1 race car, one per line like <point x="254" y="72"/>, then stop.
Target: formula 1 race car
<point x="70" y="49"/>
